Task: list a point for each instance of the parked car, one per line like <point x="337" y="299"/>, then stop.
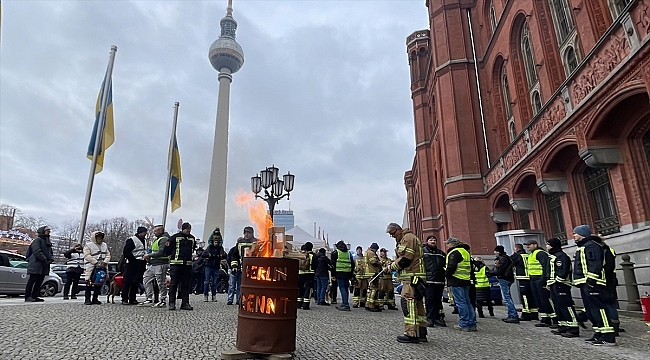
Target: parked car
<point x="13" y="276"/>
<point x="60" y="269"/>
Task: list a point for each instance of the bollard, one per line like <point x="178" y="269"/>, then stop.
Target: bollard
<point x="631" y="288"/>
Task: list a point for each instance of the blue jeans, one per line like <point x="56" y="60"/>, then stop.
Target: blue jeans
<point x="344" y="285"/>
<point x="465" y="309"/>
<point x="507" y="298"/>
<point x="234" y="285"/>
<point x="321" y="288"/>
<point x="214" y="273"/>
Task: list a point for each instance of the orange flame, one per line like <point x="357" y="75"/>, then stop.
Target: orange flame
<point x="261" y="221"/>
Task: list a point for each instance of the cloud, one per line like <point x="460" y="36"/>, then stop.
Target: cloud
<point x="323" y="93"/>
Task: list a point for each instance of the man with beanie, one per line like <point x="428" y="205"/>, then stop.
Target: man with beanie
<point x="503" y="271"/>
<point x="538" y="268"/>
<point x="559" y="283"/>
<point x="410" y="268"/>
<point x="38" y="264"/>
<point x="434" y="263"/>
<point x="588" y="275"/>
<point x="135" y="266"/>
<point x="458" y="273"/>
<point x="343" y="268"/>
<point x="235" y="261"/>
<point x="373" y="268"/>
<point x="180" y="247"/>
<point x="306" y="276"/>
<point x="159" y="265"/>
<point x="96" y="256"/>
<point x="212" y="256"/>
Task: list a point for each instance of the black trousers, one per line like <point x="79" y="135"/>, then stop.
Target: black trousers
<point x="181" y="276"/>
<point x="132" y="280"/>
<point x="597" y="297"/>
<point x="72" y="279"/>
<point x="96" y="290"/>
<point x="529" y="306"/>
<point x="564" y="307"/>
<point x="305" y="285"/>
<point x="433" y="302"/>
<point x="543" y="299"/>
<point x="333" y="290"/>
<point x="33" y="287"/>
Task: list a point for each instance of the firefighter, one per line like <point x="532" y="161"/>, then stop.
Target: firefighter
<point x="373" y="268"/>
<point x="589" y="276"/>
<point x="360" y="280"/>
<point x="528" y="304"/>
<point x="386" y="290"/>
<point x="410" y="267"/>
<point x="179" y="247"/>
<point x="537" y="265"/>
<point x="559" y="283"/>
<point x="306" y="276"/>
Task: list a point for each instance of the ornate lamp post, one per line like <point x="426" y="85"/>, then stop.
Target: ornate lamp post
<point x="268" y="179"/>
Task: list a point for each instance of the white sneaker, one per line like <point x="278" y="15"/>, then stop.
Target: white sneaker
<point x="146" y="302"/>
<point x="160" y="304"/>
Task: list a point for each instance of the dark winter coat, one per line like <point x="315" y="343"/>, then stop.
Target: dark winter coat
<point x="503" y="268"/>
<point x="41" y="258"/>
<point x="482" y="293"/>
<point x="454" y="259"/>
<point x="321" y="265"/>
<point x="434" y="263"/>
<point x="213" y="255"/>
<point x="519" y="263"/>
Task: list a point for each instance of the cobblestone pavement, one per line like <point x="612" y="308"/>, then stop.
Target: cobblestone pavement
<point x="58" y="329"/>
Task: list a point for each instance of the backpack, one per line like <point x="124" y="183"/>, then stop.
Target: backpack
<point x="304" y="264"/>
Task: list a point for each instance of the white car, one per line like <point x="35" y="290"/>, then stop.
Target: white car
<point x="13" y="276"/>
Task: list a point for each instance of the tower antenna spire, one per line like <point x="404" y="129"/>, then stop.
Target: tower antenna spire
<point x="229" y="8"/>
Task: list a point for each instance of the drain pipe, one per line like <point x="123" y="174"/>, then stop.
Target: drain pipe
<point x="478" y="87"/>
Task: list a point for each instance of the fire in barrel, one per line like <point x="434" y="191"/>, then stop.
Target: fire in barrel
<point x="267" y="306"/>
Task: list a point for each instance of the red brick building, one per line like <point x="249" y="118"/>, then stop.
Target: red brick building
<point x="531" y="114"/>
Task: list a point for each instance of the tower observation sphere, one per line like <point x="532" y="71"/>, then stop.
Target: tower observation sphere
<point x="225" y="52"/>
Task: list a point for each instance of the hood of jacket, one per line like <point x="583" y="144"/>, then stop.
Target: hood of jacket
<point x="93" y="237"/>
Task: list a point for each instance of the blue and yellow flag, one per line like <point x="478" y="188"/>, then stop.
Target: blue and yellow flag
<point x="175" y="178"/>
<point x="108" y="132"/>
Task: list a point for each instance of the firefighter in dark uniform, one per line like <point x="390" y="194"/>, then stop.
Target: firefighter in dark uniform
<point x="559" y="283"/>
<point x="537" y="267"/>
<point x="180" y="248"/>
<point x="528" y="304"/>
<point x="589" y="276"/>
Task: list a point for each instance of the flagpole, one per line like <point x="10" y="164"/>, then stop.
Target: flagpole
<point x="170" y="153"/>
<point x="98" y="140"/>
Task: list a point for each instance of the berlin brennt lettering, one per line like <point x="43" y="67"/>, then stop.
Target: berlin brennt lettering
<point x="262" y="304"/>
<point x="266" y="273"/>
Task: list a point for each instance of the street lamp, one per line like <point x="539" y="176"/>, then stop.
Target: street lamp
<point x="268" y="180"/>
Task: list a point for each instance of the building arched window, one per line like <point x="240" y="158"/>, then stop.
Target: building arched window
<point x="617" y="6"/>
<point x="512" y="131"/>
<point x="601" y="201"/>
<point x="493" y="17"/>
<point x="527" y="56"/>
<point x="506" y="93"/>
<point x="570" y="59"/>
<point x="561" y="19"/>
<point x="536" y="100"/>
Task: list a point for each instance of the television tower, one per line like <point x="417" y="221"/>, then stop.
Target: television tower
<point x="227" y="57"/>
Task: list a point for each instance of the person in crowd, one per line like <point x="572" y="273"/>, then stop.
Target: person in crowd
<point x="409" y="265"/>
<point x="558" y="282"/>
<point x="135" y="266"/>
<point x="482" y="286"/>
<point x="235" y="259"/>
<point x="434" y="263"/>
<point x="212" y="256"/>
<point x="179" y="248"/>
<point x="386" y="290"/>
<point x="611" y="303"/>
<point x="588" y="275"/>
<point x="503" y="270"/>
<point x="322" y="265"/>
<point x="198" y="272"/>
<point x="373" y="268"/>
<point x="360" y="281"/>
<point x="305" y="276"/>
<point x="538" y="265"/>
<point x="38" y="264"/>
<point x="519" y="259"/>
<point x="75" y="267"/>
<point x="458" y="274"/>
<point x="96" y="257"/>
<point x="342" y="271"/>
<point x="158" y="267"/>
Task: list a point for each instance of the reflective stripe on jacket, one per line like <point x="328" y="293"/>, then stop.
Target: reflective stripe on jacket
<point x="464" y="267"/>
<point x="343" y="263"/>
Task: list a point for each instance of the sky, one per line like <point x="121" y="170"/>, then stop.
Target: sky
<point x="323" y="93"/>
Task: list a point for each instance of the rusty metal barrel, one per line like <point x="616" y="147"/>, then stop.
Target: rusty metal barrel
<point x="267" y="306"/>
